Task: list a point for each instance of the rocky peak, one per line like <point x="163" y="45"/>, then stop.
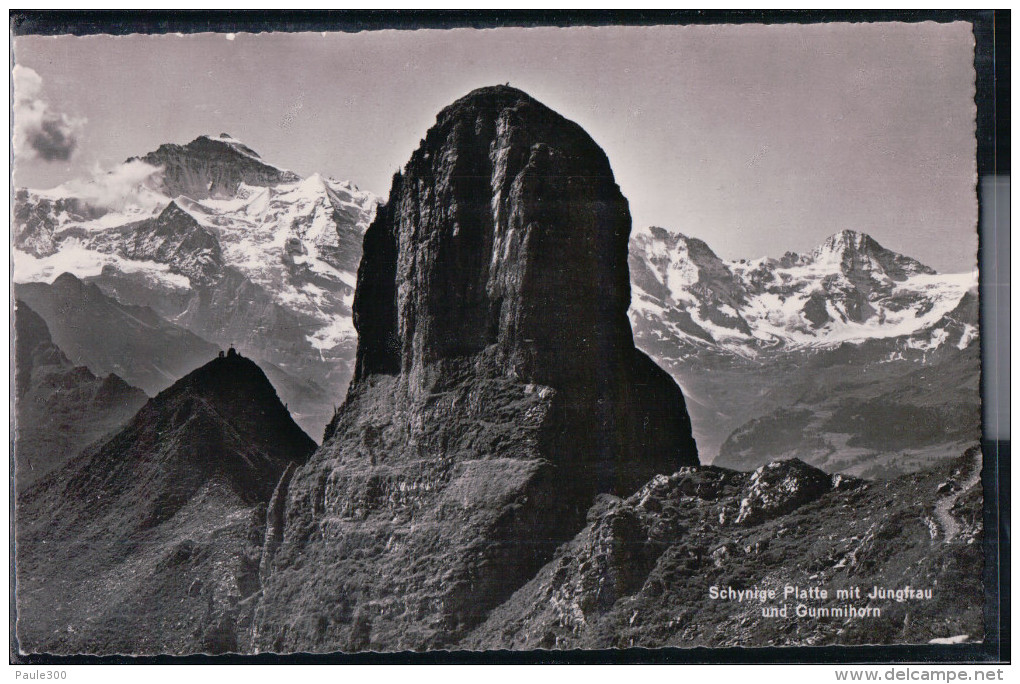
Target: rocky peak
<point x="172" y="506"/>
<point x="113" y="389"/>
<point x="69" y="286"/>
<point x="778" y="488"/>
<point x="854" y="253"/>
<point x="504" y="241"/>
<point x="847" y="239"/>
<point x="223" y="421"/>
<point x="683" y="263"/>
<point x="212" y="166"/>
<point x="232" y="142"/>
<point x="497" y="389"/>
<point x="678" y="269"/>
<point x="501" y="193"/>
<point x="175" y="212"/>
<point x="177" y="238"/>
<point x="237" y="389"/>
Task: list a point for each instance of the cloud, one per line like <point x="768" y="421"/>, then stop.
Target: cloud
<point x="132" y="183"/>
<point x="40" y="132"/>
<point x="27" y="83"/>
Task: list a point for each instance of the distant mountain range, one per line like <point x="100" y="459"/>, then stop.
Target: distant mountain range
<point x="60" y="408"/>
<point x="213" y="246"/>
<point x="98" y="332"/>
<point x="508" y="470"/>
<point x="849" y="289"/>
<point x="852" y="357"/>
<point x="218" y="242"/>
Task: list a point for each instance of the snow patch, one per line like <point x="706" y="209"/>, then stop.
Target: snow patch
<point x="968" y="335"/>
<point x="340" y="329"/>
<point x="83" y="262"/>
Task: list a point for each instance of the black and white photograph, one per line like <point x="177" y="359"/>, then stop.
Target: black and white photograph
<point x="512" y="339"/>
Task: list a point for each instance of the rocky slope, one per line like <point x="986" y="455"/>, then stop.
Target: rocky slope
<point x="59" y="408"/>
<point x="782" y="357"/>
<point x="106" y="336"/>
<point x="496" y="390"/>
<point x="150" y="542"/>
<point x="217" y="241"/>
<point x="642" y="571"/>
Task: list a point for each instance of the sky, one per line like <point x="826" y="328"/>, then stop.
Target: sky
<point x="756" y="139"/>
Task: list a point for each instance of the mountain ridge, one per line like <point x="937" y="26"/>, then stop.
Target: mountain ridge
<point x="218" y="241"/>
<point x="144" y="349"/>
<point x="761" y="345"/>
<point x="149" y="542"/>
<point x="848" y="289"/>
<point x="211" y="166"/>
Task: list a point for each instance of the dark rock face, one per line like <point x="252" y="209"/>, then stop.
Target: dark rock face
<point x="175" y="237"/>
<point x="210" y="167"/>
<point x="505" y="242"/>
<point x="497" y="390"/>
<point x="60" y="409"/>
<point x="150" y="542"/>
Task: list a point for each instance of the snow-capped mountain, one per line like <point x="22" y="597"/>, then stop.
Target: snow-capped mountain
<point x="849" y="289"/>
<point x="235" y="250"/>
<point x="833" y="356"/>
<point x="219" y="242"/>
<point x="212" y="167"/>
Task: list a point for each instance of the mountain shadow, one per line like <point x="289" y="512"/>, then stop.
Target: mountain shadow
<point x="151" y="541"/>
<point x="59" y="408"/>
<point x="99" y="332"/>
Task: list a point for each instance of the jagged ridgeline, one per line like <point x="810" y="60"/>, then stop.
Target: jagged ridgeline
<point x="60" y="408"/>
<point x="497" y="390"/>
<point x="507" y="470"/>
<point x="150" y="540"/>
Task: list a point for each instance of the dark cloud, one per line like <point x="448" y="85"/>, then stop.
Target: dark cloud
<point x="54" y="140"/>
<point x="40" y="132"/>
